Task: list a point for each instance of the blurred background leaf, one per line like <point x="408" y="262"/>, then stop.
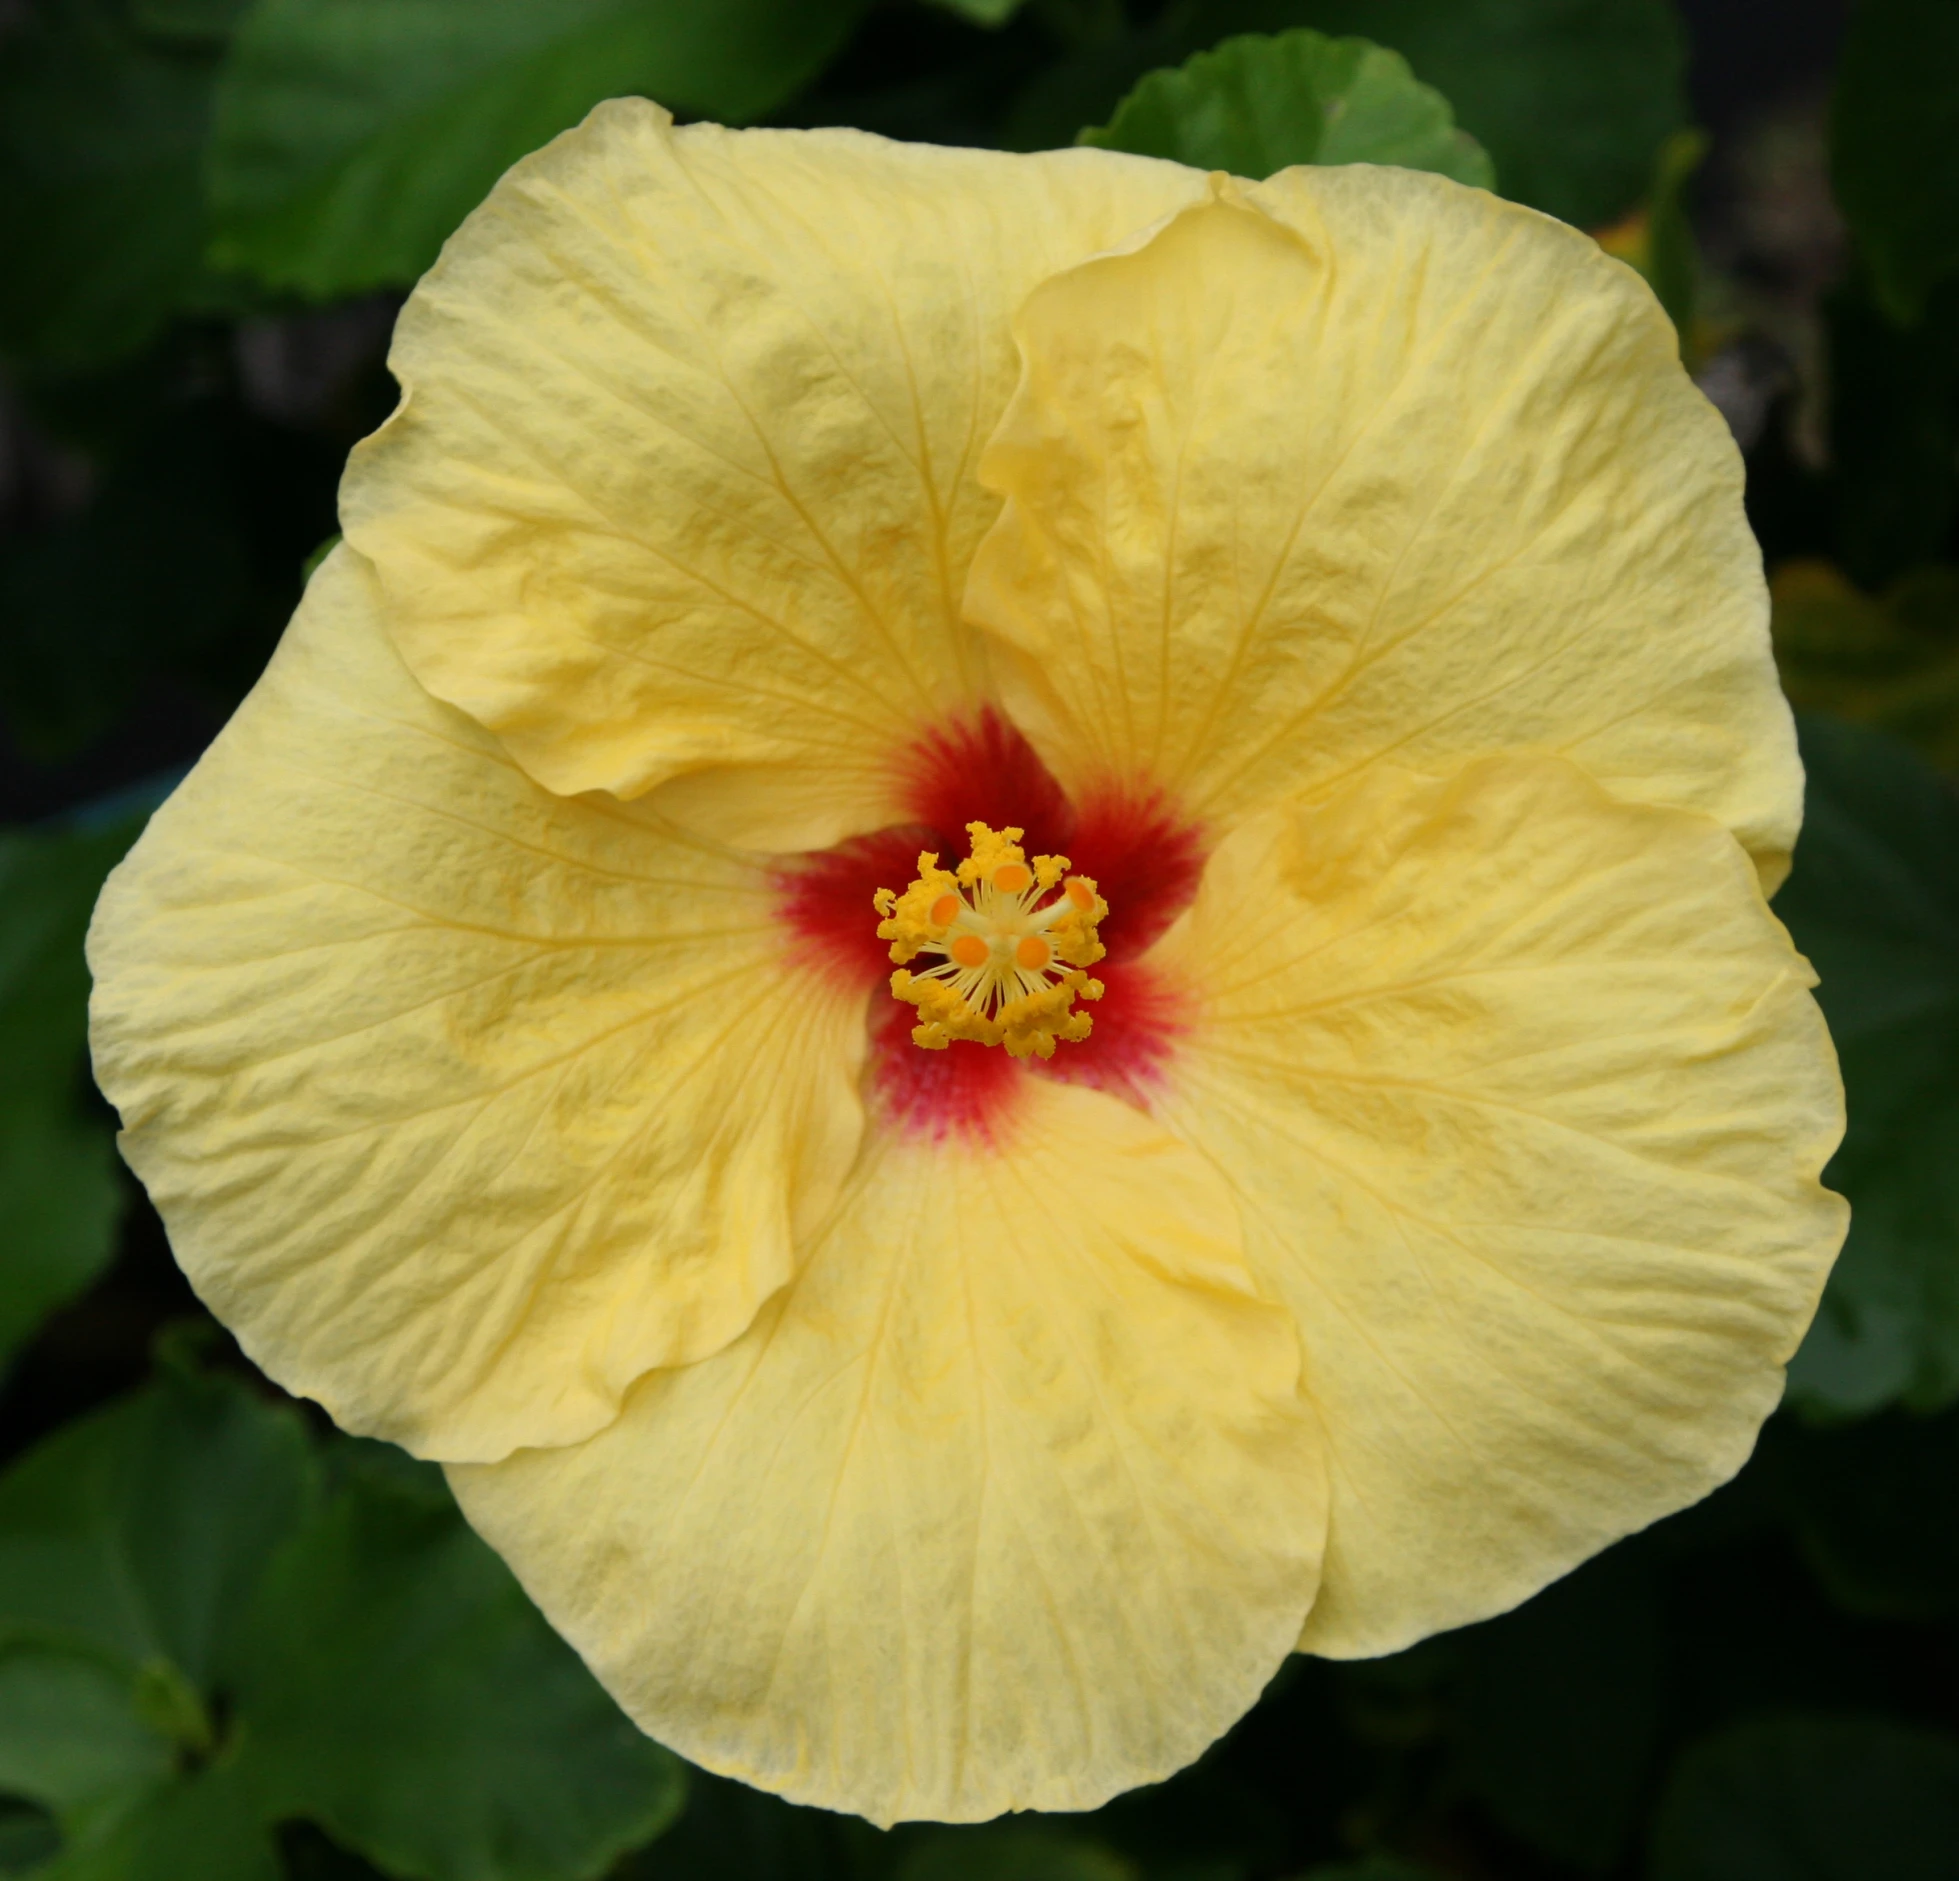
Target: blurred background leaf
<point x="102" y="132"/>
<point x="61" y="1196"/>
<point x="353" y="135"/>
<point x="983" y="12"/>
<point x="499" y="1756"/>
<point x="1896" y="151"/>
<point x="1013" y="1851"/>
<point x="1872" y="1504"/>
<point x="1893" y="477"/>
<point x="246" y="1641"/>
<point x="1889" y="660"/>
<point x="1812" y="1799"/>
<point x="1657" y="238"/>
<point x="1873" y="901"/>
<point x="1572" y="99"/>
<point x="1559" y="1712"/>
<point x="1260" y="102"/>
<point x="166" y="568"/>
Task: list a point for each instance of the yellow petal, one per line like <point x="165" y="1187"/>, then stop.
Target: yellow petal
<point x="1526" y="1099"/>
<point x="1367" y="464"/>
<point x="1010" y="1501"/>
<point x="464" y="1104"/>
<point x="682" y="486"/>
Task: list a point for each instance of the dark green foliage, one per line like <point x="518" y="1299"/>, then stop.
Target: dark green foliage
<point x="1572" y="99"/>
<point x="1895" y="148"/>
<point x="1874" y="1508"/>
<point x="195" y="22"/>
<point x="1673" y="261"/>
<point x="353" y="135"/>
<point x="1874" y="902"/>
<point x="201" y="1636"/>
<point x="498" y="1757"/>
<point x="1559" y="1709"/>
<point x="159" y="571"/>
<point x="1889" y="660"/>
<point x="1013" y="1852"/>
<point x="1894" y="433"/>
<point x="60" y="1197"/>
<point x="1261" y="102"/>
<point x="102" y="135"/>
<point x="1812" y="1799"/>
<point x="1376" y="1868"/>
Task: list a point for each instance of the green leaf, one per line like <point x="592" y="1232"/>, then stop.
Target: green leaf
<point x="140" y="1532"/>
<point x="1260" y="103"/>
<point x="28" y="1837"/>
<point x="318" y="555"/>
<point x="101" y="195"/>
<point x="982" y="12"/>
<point x="1889" y="661"/>
<point x="1811" y="1799"/>
<point x="1672" y="257"/>
<point x="497" y="1756"/>
<point x="1571" y="98"/>
<point x="128" y="1542"/>
<point x="1873" y="1506"/>
<point x="1895" y="144"/>
<point x="60" y="1196"/>
<point x="353" y="135"/>
<point x="1893" y="481"/>
<point x="203" y="1825"/>
<point x="200" y="22"/>
<point x="1873" y="900"/>
<point x="1558" y="1710"/>
<point x="309" y="1854"/>
<point x="69" y="1735"/>
<point x="199" y="1640"/>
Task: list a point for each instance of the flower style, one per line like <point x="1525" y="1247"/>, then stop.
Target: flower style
<point x="1280" y="675"/>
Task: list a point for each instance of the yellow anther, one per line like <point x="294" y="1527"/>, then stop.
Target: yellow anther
<point x="910" y="919"/>
<point x="997" y="971"/>
<point x="992" y="850"/>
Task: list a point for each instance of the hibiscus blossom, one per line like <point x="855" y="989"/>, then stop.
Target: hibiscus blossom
<point x="1000" y="939"/>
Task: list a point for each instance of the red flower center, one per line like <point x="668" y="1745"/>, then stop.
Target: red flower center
<point x="1143" y="857"/>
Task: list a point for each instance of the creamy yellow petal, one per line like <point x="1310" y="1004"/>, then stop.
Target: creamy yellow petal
<point x="1526" y="1100"/>
<point x="683" y="485"/>
<point x="464" y="1104"/>
<point x="1011" y="1501"/>
<point x="1367" y="464"/>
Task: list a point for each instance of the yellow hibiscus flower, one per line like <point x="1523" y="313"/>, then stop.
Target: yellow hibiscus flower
<point x="1317" y="617"/>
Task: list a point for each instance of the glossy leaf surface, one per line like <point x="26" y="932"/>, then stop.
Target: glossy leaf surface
<point x="1258" y="103"/>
